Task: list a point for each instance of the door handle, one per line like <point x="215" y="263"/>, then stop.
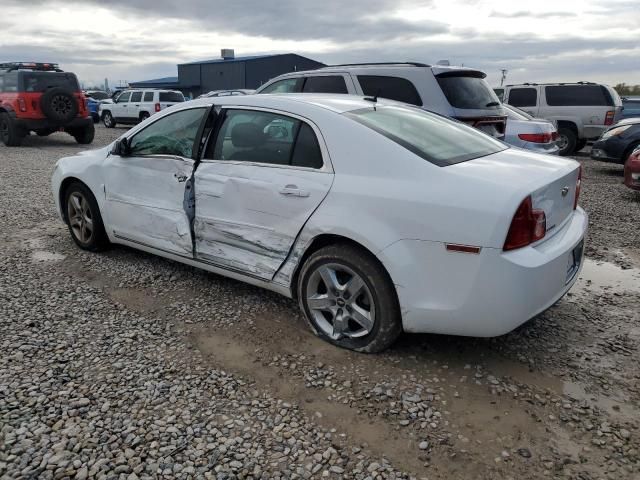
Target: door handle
<point x="180" y="177"/>
<point x="293" y="191"/>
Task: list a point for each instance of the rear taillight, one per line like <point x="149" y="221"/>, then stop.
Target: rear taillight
<point x="22" y="105"/>
<point x="157" y="107"/>
<point x="608" y="120"/>
<point x="528" y="225"/>
<point x="578" y="186"/>
<point x="536" y="137"/>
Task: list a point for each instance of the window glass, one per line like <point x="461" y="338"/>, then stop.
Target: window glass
<point x="174" y="134"/>
<point x="393" y="88"/>
<point x="136" y="97"/>
<point x="288" y="85"/>
<point x="173" y="97"/>
<point x="148" y="97"/>
<point x="9" y="82"/>
<point x="123" y="97"/>
<point x="306" y="152"/>
<point x="98" y="95"/>
<point x="523" y="97"/>
<point x="325" y="84"/>
<point x="468" y="91"/>
<point x="515" y="113"/>
<point x="41" y="81"/>
<point x="434" y="138"/>
<point x="578" y="95"/>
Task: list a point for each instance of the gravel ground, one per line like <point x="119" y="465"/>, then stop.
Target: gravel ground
<point x="124" y="365"/>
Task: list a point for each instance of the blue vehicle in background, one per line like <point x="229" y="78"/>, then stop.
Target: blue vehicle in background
<point x="94" y="98"/>
<point x="631" y="107"/>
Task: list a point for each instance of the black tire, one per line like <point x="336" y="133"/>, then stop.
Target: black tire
<point x="59" y="105"/>
<point x="98" y="239"/>
<point x="387" y="324"/>
<point x="144" y="116"/>
<point x="108" y="119"/>
<point x="10" y="134"/>
<point x="580" y="144"/>
<point x="83" y="135"/>
<point x="569" y="138"/>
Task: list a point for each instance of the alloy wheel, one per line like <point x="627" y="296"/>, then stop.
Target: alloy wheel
<point x="340" y="302"/>
<point x="80" y="217"/>
<point x="562" y="142"/>
<point x="61" y="104"/>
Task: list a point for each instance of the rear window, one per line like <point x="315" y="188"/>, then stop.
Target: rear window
<point x="578" y="95"/>
<point x="41" y="81"/>
<point x="523" y="97"/>
<point x="434" y="138"/>
<point x="171" y="97"/>
<point x="9" y="82"/>
<point x="325" y="84"/>
<point x="393" y="88"/>
<point x="468" y="91"/>
<point x="515" y="113"/>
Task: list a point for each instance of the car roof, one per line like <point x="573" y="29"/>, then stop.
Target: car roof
<point x="435" y="69"/>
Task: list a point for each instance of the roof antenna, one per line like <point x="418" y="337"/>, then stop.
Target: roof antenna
<point x="374" y="99"/>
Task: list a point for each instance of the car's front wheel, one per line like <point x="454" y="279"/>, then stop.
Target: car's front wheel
<point x="348" y="299"/>
<point x="10" y="134"/>
<point x="84" y="219"/>
<point x="108" y="119"/>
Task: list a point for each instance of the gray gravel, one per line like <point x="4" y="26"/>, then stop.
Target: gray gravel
<point x="124" y="365"/>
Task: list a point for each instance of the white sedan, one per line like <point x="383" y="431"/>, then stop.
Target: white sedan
<point x="377" y="217"/>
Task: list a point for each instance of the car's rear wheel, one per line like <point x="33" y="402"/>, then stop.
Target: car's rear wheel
<point x="83" y="135"/>
<point x="567" y="140"/>
<point x="10" y="134"/>
<point x="108" y="119"/>
<point x="580" y="144"/>
<point x="348" y="299"/>
<point x="144" y="116"/>
<point x="84" y="219"/>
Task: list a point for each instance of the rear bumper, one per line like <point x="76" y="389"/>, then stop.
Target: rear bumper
<point x="548" y="148"/>
<point x="482" y="295"/>
<point x="37" y="124"/>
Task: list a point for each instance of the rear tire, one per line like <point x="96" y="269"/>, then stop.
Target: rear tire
<point x="108" y="119"/>
<point x="83" y="218"/>
<point x="10" y="134"/>
<point x="580" y="144"/>
<point x="349" y="300"/>
<point x="83" y="135"/>
<point x="144" y="116"/>
<point x="567" y="140"/>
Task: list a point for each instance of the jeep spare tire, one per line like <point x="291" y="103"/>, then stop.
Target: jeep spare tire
<point x="59" y="105"/>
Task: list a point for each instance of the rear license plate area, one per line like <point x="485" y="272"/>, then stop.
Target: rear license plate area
<point x="574" y="261"/>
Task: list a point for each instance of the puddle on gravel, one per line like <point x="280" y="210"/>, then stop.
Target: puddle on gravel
<point x="606" y="276"/>
<point x="43" y="256"/>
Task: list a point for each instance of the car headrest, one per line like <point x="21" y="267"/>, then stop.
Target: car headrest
<point x="247" y="135"/>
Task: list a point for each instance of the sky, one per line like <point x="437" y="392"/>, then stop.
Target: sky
<point x="132" y="40"/>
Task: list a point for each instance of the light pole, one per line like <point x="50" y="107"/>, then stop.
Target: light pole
<point x="504" y="76"/>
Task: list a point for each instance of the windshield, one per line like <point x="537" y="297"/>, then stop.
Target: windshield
<point x="41" y="81"/>
<point x="515" y="113"/>
<point x="468" y="91"/>
<point x="436" y="139"/>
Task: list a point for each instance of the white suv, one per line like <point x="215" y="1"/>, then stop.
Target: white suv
<point x="455" y="92"/>
<point x="133" y="106"/>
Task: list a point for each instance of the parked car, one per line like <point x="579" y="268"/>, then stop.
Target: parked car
<point x="40" y="97"/>
<point x="581" y="110"/>
<point x="616" y="144"/>
<point x="94" y="99"/>
<point x="227" y="93"/>
<point x="632" y="170"/>
<point x="134" y="106"/>
<point x="376" y="216"/>
<point x="631" y="107"/>
<point x="456" y="92"/>
<point x="526" y="132"/>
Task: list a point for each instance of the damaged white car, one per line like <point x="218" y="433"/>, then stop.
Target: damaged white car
<point x="377" y="217"/>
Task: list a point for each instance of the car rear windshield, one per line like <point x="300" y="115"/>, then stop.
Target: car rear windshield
<point x="578" y="96"/>
<point x="468" y="90"/>
<point x="41" y="81"/>
<point x="434" y="138"/>
<point x="171" y="97"/>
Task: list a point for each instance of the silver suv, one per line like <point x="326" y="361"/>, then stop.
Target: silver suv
<point x="456" y="92"/>
<point x="581" y="110"/>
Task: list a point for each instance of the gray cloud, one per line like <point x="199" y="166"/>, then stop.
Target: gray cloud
<point x="530" y="14"/>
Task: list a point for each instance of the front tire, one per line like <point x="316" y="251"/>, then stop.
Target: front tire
<point x="349" y="300"/>
<point x="84" y="219"/>
<point x="567" y="140"/>
<point x="10" y="134"/>
<point x="108" y="120"/>
<point x="580" y="144"/>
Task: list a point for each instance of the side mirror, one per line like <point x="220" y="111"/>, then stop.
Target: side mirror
<point x="122" y="147"/>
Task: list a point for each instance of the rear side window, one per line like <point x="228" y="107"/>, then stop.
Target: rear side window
<point x="41" y="81"/>
<point x="174" y="97"/>
<point x="288" y="85"/>
<point x="9" y="82"/>
<point x="468" y="91"/>
<point x="148" y="97"/>
<point x="136" y="96"/>
<point x="578" y="95"/>
<point x="434" y="138"/>
<point x="328" y="84"/>
<point x="306" y="152"/>
<point x="523" y="97"/>
<point x="393" y="88"/>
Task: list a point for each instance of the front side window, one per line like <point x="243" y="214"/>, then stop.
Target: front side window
<point x="174" y="134"/>
<point x="9" y="82"/>
<point x="523" y="97"/>
<point x="432" y="137"/>
<point x="136" y="97"/>
<point x="468" y="90"/>
<point x="123" y="97"/>
<point x="393" y="88"/>
<point x="264" y="137"/>
<point x="578" y="95"/>
<point x="288" y="85"/>
<point x="325" y="84"/>
<point x="148" y="97"/>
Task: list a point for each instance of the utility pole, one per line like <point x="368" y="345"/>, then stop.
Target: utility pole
<point x="504" y="76"/>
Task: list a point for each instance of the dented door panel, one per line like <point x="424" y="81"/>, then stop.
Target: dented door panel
<point x="248" y="216"/>
<point x="145" y="201"/>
